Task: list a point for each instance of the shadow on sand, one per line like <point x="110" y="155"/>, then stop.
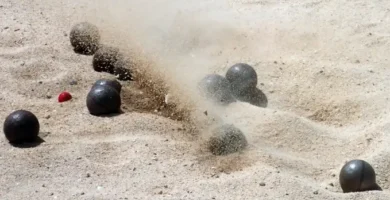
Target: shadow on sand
<point x="255" y="97"/>
<point x="31" y="144"/>
<point x="110" y="115"/>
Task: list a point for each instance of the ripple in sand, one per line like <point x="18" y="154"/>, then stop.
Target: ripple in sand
<point x="39" y="70"/>
<point x="107" y="153"/>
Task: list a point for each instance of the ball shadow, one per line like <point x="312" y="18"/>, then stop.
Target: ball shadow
<point x="31" y="144"/>
<point x="376" y="187"/>
<point x="109" y="115"/>
<point x="83" y="52"/>
<point x="255" y="97"/>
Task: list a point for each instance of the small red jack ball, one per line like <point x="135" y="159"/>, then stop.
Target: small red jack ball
<point x="64" y="96"/>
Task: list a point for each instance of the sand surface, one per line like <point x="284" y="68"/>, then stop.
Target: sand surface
<point x="323" y="66"/>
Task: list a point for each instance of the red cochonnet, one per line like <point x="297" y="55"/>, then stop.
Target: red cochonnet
<point x="64" y="96"/>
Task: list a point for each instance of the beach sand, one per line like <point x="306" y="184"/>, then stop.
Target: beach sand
<point x="323" y="66"/>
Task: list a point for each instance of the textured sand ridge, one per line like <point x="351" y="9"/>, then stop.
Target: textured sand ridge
<point x="322" y="65"/>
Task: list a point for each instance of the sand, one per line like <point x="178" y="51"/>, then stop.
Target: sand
<point x="322" y="65"/>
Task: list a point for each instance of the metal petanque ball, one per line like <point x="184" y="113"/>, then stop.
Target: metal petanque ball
<point x="85" y="38"/>
<point x="357" y="175"/>
<point x="242" y="78"/>
<point x="103" y="100"/>
<point x="21" y="126"/>
<point x="108" y="82"/>
<point x="216" y="88"/>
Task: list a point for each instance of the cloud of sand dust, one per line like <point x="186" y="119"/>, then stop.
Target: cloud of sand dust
<point x="184" y="39"/>
<point x="181" y="37"/>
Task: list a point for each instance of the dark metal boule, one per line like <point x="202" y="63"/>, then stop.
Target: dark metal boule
<point x="103" y="100"/>
<point x="108" y="82"/>
<point x="357" y="175"/>
<point x="242" y="78"/>
<point x="21" y="126"/>
<point x="216" y="88"/>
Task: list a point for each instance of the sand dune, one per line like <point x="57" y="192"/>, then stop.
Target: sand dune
<point x="323" y="66"/>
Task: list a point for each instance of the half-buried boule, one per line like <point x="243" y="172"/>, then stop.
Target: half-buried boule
<point x="243" y="79"/>
<point x="216" y="88"/>
<point x="357" y="176"/>
<point x="108" y="82"/>
<point x="103" y="100"/>
<point x="85" y="38"/>
<point x="21" y="126"/>
<point x="227" y="139"/>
